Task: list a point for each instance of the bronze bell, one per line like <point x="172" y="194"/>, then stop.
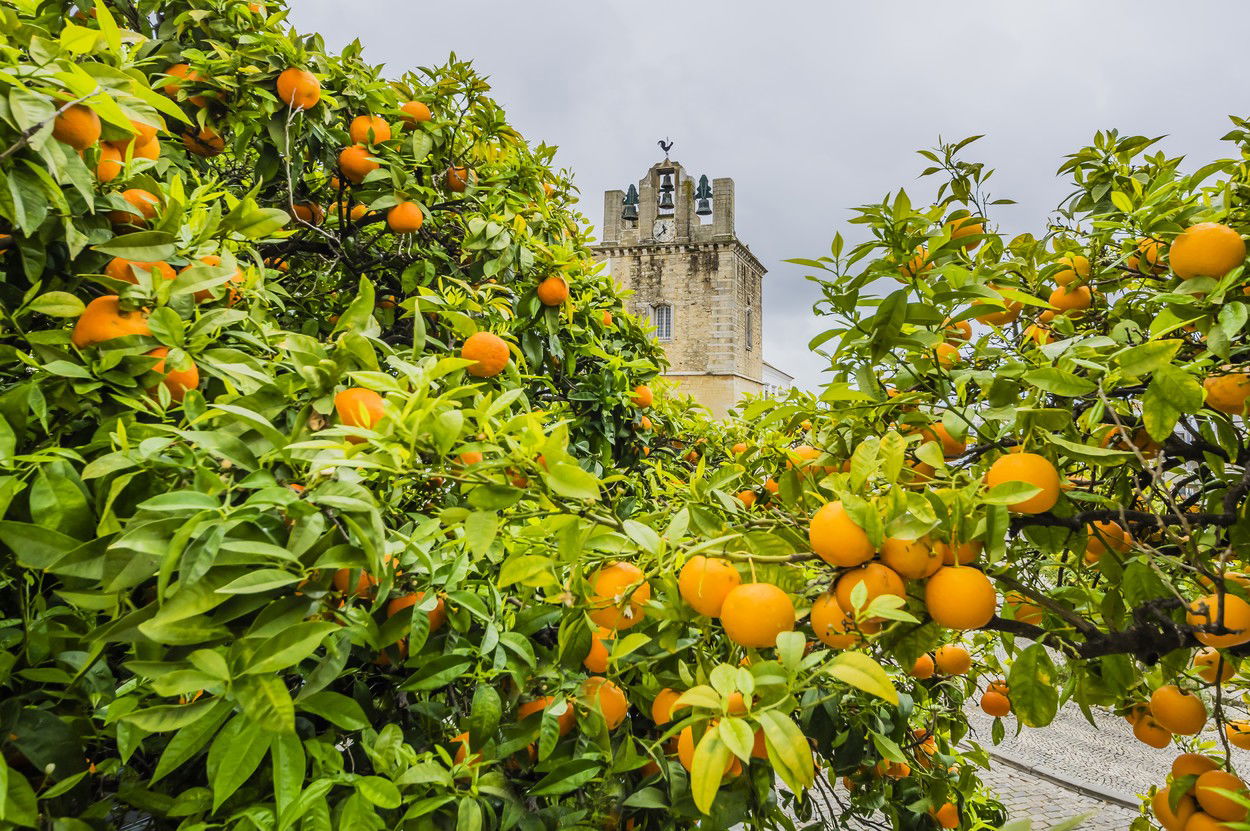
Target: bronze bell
<point x="703" y="208"/>
<point x="666" y="200"/>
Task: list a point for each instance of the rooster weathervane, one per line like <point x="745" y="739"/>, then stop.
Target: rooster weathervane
<point x="666" y="144"/>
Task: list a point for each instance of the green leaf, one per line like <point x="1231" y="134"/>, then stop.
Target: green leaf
<point x="166" y="717"/>
<point x="234" y="756"/>
<point x="788" y="750"/>
<point x="144" y="246"/>
<point x="569" y="776"/>
<point x="381" y="792"/>
<point x="192" y="738"/>
<point x="257" y="582"/>
<point x="57" y="304"/>
<point x="707" y="771"/>
<point x="571" y="481"/>
<point x="1137" y="361"/>
<point x="862" y="672"/>
<point x="1058" y="381"/>
<point x="289" y="762"/>
<point x="1034" y="687"/>
<point x="336" y="708"/>
<point x="484" y="715"/>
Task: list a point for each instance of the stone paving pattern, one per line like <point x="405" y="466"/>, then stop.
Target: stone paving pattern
<point x="1026" y="796"/>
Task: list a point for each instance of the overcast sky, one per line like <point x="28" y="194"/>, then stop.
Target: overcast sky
<point x="816" y="107"/>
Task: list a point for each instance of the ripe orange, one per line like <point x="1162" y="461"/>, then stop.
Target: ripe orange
<point x="110" y="165"/>
<point x="948" y="815"/>
<point x="357" y="162"/>
<point x="78" y="126"/>
<point x="686" y="747"/>
<point x="369" y="129"/>
<point x="958" y="330"/>
<point x="205" y="142"/>
<point x="877" y="579"/>
<point x="437" y="616"/>
<point x="1039" y="334"/>
<point x="1238" y="733"/>
<point x="739" y="448"/>
<point x="1071" y="298"/>
<point x="405" y="218"/>
<point x="181" y="74"/>
<point x="470" y="457"/>
<point x="357" y="407"/>
<point x="607" y="318"/>
<point x="747" y="498"/>
<point x="564" y="720"/>
<point x="770" y="485"/>
<point x="1022" y="609"/>
<point x="1077" y="269"/>
<point x="960" y="597"/>
<point x="1227" y="393"/>
<point x="596" y="659"/>
<point x="1032" y="469"/>
<point x="1177" y="710"/>
<point x="996" y="704"/>
<point x="963" y="227"/>
<point x="951" y="446"/>
<point x="142" y="201"/>
<point x="1148" y="258"/>
<point x="1161" y="804"/>
<point x="923" y="667"/>
<point x="414" y="113"/>
<point x="119" y="268"/>
<point x="458" y="179"/>
<point x="1234" y="614"/>
<point x="754" y="614"/>
<point x="948" y="355"/>
<point x="1207" y="664"/>
<point x="662" y="707"/>
<point x="236" y="279"/>
<point x="177" y="381"/>
<point x="462" y="750"/>
<point x="952" y="659"/>
<point x="995" y="315"/>
<point x="610" y="606"/>
<point x="365" y="582"/>
<point x="553" y="291"/>
<point x="309" y="212"/>
<point x="912" y="559"/>
<point x="1148" y="731"/>
<point x="836" y="539"/>
<point x="1104" y="536"/>
<point x="704" y="583"/>
<point x="918" y="264"/>
<point x="147" y="150"/>
<point x="833" y="626"/>
<point x="1208" y="249"/>
<point x="104" y="320"/>
<point x="601" y="694"/>
<point x="964" y="552"/>
<point x="489" y="350"/>
<point x="1192" y="764"/>
<point x="141" y="133"/>
<point x="299" y="89"/>
<point x="1207" y="791"/>
<point x="642" y="396"/>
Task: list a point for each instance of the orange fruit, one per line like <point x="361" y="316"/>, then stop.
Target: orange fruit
<point x="918" y="264"/>
<point x="596" y="659"/>
<point x="957" y="330"/>
<point x="1202" y="821"/>
<point x="609" y="605"/>
<point x="299" y="89"/>
<point x="662" y="707"/>
<point x="1207" y="663"/>
<point x="1208" y="249"/>
<point x="1238" y="733"/>
<point x="437" y="615"/>
<point x="1148" y="257"/>
<point x="754" y="614"/>
<point x="601" y="694"/>
<point x="458" y="179"/>
<point x="205" y="142"/>
<point x="963" y="227"/>
<point x="952" y="659"/>
<point x="470" y="457"/>
<point x="923" y="667"/>
<point x="948" y="355"/>
<point x="1039" y="334"/>
<point x="877" y="579"/>
<point x="1227" y="393"/>
<point x="369" y="129"/>
<point x="836" y="539"/>
<point x="951" y="446"/>
<point x="947" y="816"/>
<point x="960" y="597"/>
<point x="833" y="626"/>
<point x="357" y="407"/>
<point x="1206" y="791"/>
<point x="357" y="162"/>
<point x="759" y="748"/>
<point x="462" y="750"/>
<point x="1071" y="298"/>
<point x="912" y="559"/>
<point x="553" y="291"/>
<point x="1031" y="469"/>
<point x="309" y="212"/>
<point x="109" y="167"/>
<point x="404" y="218"/>
<point x="235" y="279"/>
<point x="644" y="423"/>
<point x="414" y="113"/>
<point x="1234" y="614"/>
<point x="78" y="126"/>
<point x="770" y="485"/>
<point x="998" y="316"/>
<point x="1077" y="269"/>
<point x="119" y="268"/>
<point x="1192" y="764"/>
<point x="607" y="318"/>
<point x="147" y="150"/>
<point x="739" y="448"/>
<point x="1171" y="820"/>
<point x="104" y="320"/>
<point x="747" y="498"/>
<point x="489" y="351"/>
<point x="704" y="584"/>
<point x="1177" y="710"/>
<point x="1148" y="731"/>
<point x="564" y="720"/>
<point x="996" y="704"/>
<point x="1104" y="536"/>
<point x="642" y="396"/>
<point x="177" y="381"/>
<point x="685" y="750"/>
<point x="964" y="552"/>
<point x="1022" y="609"/>
<point x="181" y="74"/>
<point x="142" y="201"/>
<point x="365" y="582"/>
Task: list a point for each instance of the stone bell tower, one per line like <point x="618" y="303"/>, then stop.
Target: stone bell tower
<point x="694" y="280"/>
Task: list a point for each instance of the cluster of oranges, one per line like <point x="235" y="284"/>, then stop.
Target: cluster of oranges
<point x="1200" y="796"/>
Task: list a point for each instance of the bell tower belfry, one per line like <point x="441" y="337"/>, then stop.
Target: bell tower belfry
<point x="670" y="239"/>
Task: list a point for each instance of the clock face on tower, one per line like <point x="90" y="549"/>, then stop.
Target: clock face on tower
<point x="664" y="230"/>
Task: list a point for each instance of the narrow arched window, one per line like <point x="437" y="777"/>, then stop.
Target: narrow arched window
<point x="662" y="320"/>
<point x="750" y="327"/>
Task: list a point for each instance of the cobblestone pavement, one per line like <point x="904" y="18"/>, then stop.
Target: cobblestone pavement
<point x="1028" y="796"/>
